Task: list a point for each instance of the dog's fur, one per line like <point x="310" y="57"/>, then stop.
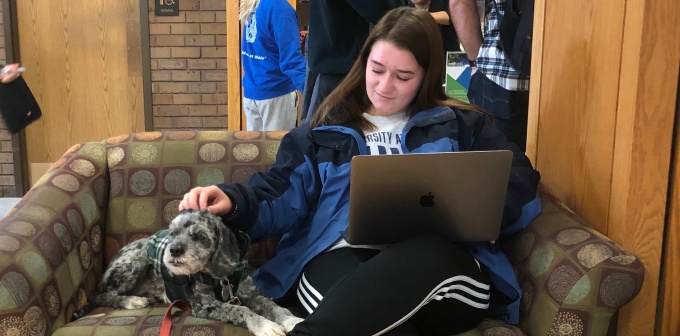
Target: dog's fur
<point x="200" y="243"/>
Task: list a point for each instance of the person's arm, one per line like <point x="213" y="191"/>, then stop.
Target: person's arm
<point x="465" y="19"/>
<point x="276" y="201"/>
<point x="209" y="198"/>
<point x="522" y="203"/>
<point x="10" y="72"/>
<point x="287" y="36"/>
<point x="441" y="17"/>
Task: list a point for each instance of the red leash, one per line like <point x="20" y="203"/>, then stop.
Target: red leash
<point x="166" y="325"/>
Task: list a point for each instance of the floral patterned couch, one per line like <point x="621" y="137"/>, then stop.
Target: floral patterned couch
<point x="99" y="196"/>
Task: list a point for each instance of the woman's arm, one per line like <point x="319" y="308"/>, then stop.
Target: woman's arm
<point x="275" y="202"/>
<point x="287" y="36"/>
<point x="522" y="204"/>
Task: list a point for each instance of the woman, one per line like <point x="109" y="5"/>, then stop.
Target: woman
<point x="394" y="87"/>
<point x="273" y="66"/>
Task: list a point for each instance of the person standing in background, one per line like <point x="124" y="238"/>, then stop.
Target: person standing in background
<point x="337" y="31"/>
<point x="273" y="65"/>
<point x="439" y="9"/>
<point x="495" y="85"/>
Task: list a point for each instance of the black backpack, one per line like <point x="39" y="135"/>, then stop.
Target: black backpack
<point x="516" y="33"/>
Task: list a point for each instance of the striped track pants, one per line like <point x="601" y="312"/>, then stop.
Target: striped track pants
<point x="421" y="286"/>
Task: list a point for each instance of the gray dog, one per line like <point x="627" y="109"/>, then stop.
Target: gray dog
<point x="198" y="260"/>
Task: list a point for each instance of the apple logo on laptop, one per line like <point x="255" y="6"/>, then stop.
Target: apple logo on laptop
<point x="427" y="201"/>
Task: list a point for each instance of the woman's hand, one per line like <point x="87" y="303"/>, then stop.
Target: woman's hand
<point x="210" y="198"/>
<point x="9" y="73"/>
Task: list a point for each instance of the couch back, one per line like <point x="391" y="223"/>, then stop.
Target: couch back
<point x="149" y="173"/>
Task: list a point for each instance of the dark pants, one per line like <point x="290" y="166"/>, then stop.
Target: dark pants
<point x="424" y="285"/>
<point x="317" y="88"/>
<point x="508" y="108"/>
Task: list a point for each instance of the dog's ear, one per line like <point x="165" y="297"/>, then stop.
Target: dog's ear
<point x="229" y="252"/>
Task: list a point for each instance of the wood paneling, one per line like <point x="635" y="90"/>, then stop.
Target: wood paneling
<point x="602" y="110"/>
<point x="77" y="60"/>
<point x="669" y="323"/>
<point x="576" y="95"/>
<point x="536" y="79"/>
<point x="644" y="126"/>
<point x="234" y="113"/>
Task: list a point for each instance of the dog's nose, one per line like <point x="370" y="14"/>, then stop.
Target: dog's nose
<point x="176" y="251"/>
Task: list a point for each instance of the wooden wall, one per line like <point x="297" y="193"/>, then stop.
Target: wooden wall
<point x="602" y="112"/>
<point x="669" y="321"/>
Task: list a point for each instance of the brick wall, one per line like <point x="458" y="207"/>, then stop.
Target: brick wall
<point x="7" y="188"/>
<point x="189" y="66"/>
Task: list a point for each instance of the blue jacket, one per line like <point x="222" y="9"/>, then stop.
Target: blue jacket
<point x="304" y="196"/>
<point x="270" y="52"/>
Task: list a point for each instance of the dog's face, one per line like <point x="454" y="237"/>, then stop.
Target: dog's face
<point x="194" y="238"/>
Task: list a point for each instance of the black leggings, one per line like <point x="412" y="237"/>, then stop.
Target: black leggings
<point x="421" y="286"/>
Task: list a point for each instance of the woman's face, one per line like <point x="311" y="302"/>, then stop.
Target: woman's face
<point x="393" y="77"/>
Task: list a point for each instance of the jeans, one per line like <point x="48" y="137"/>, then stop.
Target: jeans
<point x="508" y="108"/>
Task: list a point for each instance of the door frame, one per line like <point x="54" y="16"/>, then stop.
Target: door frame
<point x="21" y="181"/>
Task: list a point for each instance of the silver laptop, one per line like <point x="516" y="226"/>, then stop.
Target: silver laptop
<point x="459" y="196"/>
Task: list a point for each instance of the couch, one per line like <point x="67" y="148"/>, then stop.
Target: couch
<point x="56" y="242"/>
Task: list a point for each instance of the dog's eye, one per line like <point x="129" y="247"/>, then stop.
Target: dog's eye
<point x="199" y="236"/>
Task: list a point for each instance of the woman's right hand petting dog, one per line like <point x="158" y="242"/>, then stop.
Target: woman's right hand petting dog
<point x="209" y="198"/>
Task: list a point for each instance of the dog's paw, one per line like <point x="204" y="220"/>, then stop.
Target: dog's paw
<point x="264" y="327"/>
<point x="289" y="323"/>
<point x="136" y="302"/>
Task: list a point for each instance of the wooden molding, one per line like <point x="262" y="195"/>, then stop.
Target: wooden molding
<point x="234" y="111"/>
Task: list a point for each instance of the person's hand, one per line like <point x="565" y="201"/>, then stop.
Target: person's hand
<point x="9" y="73"/>
<point x="210" y="198"/>
<point x="303" y="34"/>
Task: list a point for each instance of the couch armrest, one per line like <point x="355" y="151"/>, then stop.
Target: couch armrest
<point x="51" y="244"/>
<point x="573" y="277"/>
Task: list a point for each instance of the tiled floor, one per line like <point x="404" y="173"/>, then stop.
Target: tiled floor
<point x="6" y="204"/>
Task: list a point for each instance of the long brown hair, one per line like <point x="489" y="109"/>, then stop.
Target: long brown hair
<point x="407" y="28"/>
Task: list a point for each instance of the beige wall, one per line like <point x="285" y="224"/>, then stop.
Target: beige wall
<point x="602" y="110"/>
